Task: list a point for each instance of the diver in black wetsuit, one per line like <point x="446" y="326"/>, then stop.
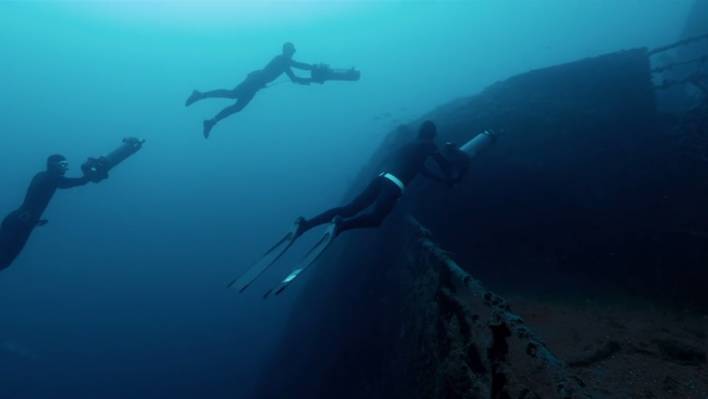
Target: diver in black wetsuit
<point x="255" y="81"/>
<point x="383" y="192"/>
<point x="18" y="225"/>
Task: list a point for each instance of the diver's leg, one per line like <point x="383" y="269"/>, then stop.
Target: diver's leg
<point x="5" y="243"/>
<point x="226" y="112"/>
<point x="361" y="202"/>
<point x="242" y="90"/>
<point x="383" y="207"/>
<point x="14" y="234"/>
<point x="220" y="93"/>
<point x="5" y="259"/>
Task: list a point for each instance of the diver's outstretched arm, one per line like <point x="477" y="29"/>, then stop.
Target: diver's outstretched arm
<point x="445" y="167"/>
<point x="71" y="182"/>
<point x="443" y="163"/>
<point x="432" y="176"/>
<point x="301" y="65"/>
<point x="297" y="79"/>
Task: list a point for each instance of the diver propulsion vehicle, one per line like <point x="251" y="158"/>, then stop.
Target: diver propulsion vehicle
<point x="459" y="156"/>
<point x="321" y="73"/>
<point x="97" y="168"/>
<point x="478" y="143"/>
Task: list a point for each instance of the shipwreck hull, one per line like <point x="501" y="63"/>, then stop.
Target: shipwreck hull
<point x="575" y="196"/>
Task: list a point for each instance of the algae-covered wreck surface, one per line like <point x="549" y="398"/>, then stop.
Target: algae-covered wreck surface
<point x="582" y="207"/>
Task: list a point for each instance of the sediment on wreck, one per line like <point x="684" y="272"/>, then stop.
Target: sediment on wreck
<point x="566" y="197"/>
<point x="478" y="347"/>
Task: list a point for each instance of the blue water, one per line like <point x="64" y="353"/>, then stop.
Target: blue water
<point x="122" y="294"/>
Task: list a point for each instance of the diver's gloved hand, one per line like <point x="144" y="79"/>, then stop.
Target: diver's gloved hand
<point x="451" y="146"/>
<point x="452" y="150"/>
<point x="95" y="170"/>
<point x="86" y="168"/>
<point x="494" y="133"/>
<point x="318" y="73"/>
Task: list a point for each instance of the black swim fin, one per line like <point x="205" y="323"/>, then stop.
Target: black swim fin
<point x="310" y="258"/>
<point x="268" y="259"/>
<point x="194" y="97"/>
<point x="207" y="125"/>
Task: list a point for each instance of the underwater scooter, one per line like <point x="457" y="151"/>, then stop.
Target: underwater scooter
<point x="97" y="168"/>
<point x="321" y="73"/>
<point x="478" y="143"/>
<point x="460" y="157"/>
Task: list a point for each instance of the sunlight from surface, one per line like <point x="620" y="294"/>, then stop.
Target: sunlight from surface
<point x="194" y="12"/>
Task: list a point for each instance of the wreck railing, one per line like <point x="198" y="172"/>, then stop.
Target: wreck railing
<point x="697" y="78"/>
<point x="680" y="43"/>
<point x="498" y="326"/>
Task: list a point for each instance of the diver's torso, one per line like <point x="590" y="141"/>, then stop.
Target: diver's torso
<point x="39" y="193"/>
<point x="276" y="67"/>
<point x="409" y="160"/>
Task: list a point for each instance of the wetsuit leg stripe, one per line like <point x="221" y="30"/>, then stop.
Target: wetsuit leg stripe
<point x="395" y="181"/>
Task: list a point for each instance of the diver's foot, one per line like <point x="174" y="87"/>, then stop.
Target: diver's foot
<point x="207" y="126"/>
<point x="194" y="97"/>
<point x="337" y="221"/>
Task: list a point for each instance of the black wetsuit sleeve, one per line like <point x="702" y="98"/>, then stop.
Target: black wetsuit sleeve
<point x="296" y="79"/>
<point x="432" y="176"/>
<point x="301" y="65"/>
<point x="70" y="182"/>
<point x="445" y="167"/>
<point x="463" y="168"/>
<point x="443" y="163"/>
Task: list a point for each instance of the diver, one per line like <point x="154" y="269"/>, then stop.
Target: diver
<point x="18" y="225"/>
<point x="254" y="82"/>
<point x="381" y="195"/>
<point x="384" y="190"/>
